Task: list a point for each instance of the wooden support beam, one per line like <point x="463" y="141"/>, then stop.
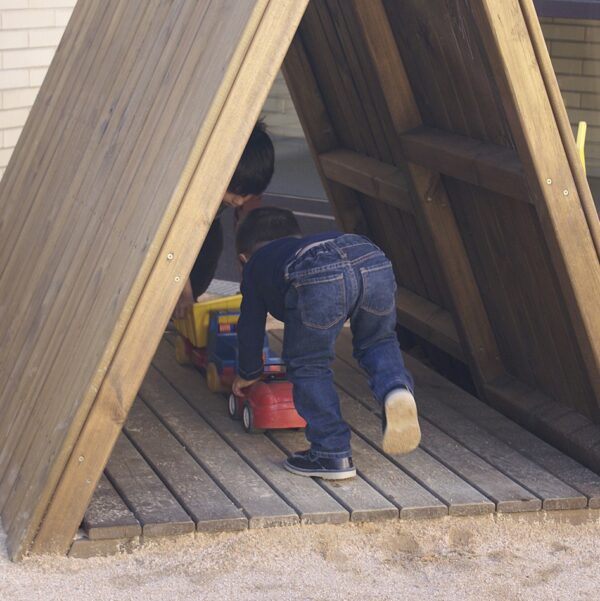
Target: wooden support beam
<point x="509" y="36"/>
<point x="369" y="176"/>
<point x="429" y="321"/>
<point x="431" y="202"/>
<point x="487" y="165"/>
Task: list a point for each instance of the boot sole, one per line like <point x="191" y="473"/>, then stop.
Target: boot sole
<point x="321" y="474"/>
<point x="402" y="433"/>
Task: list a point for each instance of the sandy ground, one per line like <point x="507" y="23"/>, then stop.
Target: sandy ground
<point x="448" y="559"/>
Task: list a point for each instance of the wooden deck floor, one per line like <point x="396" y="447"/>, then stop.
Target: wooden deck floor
<point x="181" y="464"/>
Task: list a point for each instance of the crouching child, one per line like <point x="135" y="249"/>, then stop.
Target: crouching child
<point x="314" y="284"/>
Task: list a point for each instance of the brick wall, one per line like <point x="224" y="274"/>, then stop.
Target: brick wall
<point x="31" y="29"/>
<point x="29" y="34"/>
<point x="574" y="47"/>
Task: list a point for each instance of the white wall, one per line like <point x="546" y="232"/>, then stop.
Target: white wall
<point x="29" y="34"/>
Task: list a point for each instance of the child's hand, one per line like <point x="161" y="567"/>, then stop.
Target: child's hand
<point x="186" y="300"/>
<point x="240" y="383"/>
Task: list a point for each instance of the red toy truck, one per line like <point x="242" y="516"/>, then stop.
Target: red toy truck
<point x="208" y="339"/>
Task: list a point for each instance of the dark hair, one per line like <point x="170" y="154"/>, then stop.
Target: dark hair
<point x="263" y="225"/>
<point x="255" y="169"/>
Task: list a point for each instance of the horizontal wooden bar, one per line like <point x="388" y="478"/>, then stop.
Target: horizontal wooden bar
<point x="369" y="176"/>
<point x="490" y="166"/>
<point x="429" y="321"/>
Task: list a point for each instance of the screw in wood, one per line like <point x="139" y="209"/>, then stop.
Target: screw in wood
<point x="170" y="256"/>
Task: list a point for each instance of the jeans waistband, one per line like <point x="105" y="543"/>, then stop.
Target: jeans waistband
<point x="304" y="249"/>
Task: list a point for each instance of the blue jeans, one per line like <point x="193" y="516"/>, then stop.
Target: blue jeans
<point x="331" y="281"/>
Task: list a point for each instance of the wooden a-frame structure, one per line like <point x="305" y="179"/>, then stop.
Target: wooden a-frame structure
<point x="438" y="129"/>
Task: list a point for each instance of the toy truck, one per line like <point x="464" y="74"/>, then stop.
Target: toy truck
<point x="208" y="339"/>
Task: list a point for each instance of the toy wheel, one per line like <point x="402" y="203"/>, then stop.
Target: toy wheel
<point x="232" y="407"/>
<point x="213" y="379"/>
<point x="248" y="420"/>
<point x="181" y="355"/>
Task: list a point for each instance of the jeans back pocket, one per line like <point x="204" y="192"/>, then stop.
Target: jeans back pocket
<point x="379" y="289"/>
<point x="321" y="300"/>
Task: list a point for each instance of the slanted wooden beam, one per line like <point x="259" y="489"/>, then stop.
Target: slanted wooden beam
<point x="487" y="165"/>
<point x="430" y="200"/>
<point x="429" y="321"/>
<point x="369" y="176"/>
<point x="555" y="184"/>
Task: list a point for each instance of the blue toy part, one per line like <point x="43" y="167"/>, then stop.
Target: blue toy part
<point x="222" y="347"/>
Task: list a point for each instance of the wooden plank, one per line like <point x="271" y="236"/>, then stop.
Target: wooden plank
<point x="507" y="495"/>
<point x="320" y="133"/>
<point x="349" y="58"/>
<point x="154" y="506"/>
<point x="431" y="201"/>
<point x="459" y="496"/>
<point x="305" y="496"/>
<point x="413" y="500"/>
<point x="363" y="502"/>
<point x="371" y="177"/>
<point x="573" y="432"/>
<point x="107" y="515"/>
<point x="24" y="328"/>
<point x="429" y="321"/>
<point x="343" y="43"/>
<point x="91" y="28"/>
<point x="357" y="498"/>
<point x="263" y="506"/>
<point x="554" y="493"/>
<point x="562" y="120"/>
<point x="219" y="145"/>
<point x="527" y="444"/>
<point x="47" y="327"/>
<point x="486" y="476"/>
<point x="550" y="176"/>
<point x="193" y="488"/>
<point x="487" y="165"/>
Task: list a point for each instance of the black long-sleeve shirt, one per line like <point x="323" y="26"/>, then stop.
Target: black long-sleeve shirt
<point x="264" y="289"/>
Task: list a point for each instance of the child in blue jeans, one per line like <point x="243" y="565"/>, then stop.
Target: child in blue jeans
<point x="314" y="284"/>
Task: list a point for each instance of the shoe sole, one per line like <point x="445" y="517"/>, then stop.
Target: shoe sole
<point x="402" y="433"/>
<point x="321" y="474"/>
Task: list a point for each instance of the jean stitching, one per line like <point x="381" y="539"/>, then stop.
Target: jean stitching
<point x="330" y="324"/>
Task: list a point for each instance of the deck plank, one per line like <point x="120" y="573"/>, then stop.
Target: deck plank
<point x="181" y="455"/>
<point x="195" y="490"/>
<point x="310" y="501"/>
<point x="460" y="497"/>
<point x="554" y="493"/>
<point x="261" y="504"/>
<point x="155" y="507"/>
<point x="108" y="516"/>
<point x="362" y="500"/>
<point x="557" y="463"/>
